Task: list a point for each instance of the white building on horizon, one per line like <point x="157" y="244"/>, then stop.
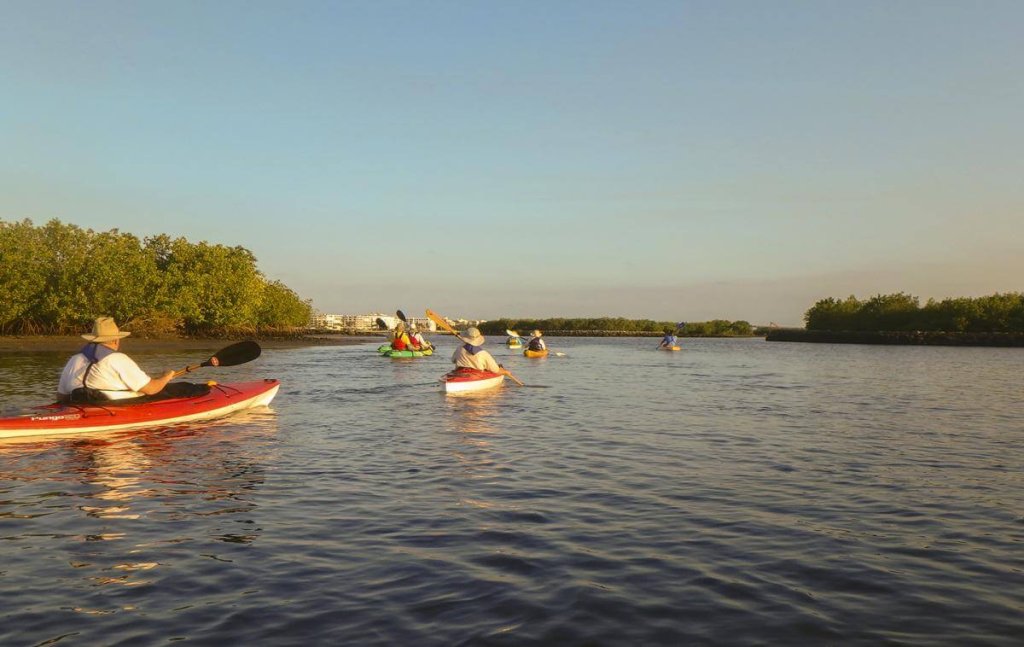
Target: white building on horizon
<point x="352" y="323"/>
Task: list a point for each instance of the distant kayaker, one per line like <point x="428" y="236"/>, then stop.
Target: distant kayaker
<point x="472" y="355"/>
<point x="418" y="340"/>
<point x="400" y="339"/>
<point x="101" y="371"/>
<point x="536" y="343"/>
<point x="669" y="340"/>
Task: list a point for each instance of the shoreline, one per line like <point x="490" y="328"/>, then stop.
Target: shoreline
<point x="898" y="338"/>
<point x="72" y="343"/>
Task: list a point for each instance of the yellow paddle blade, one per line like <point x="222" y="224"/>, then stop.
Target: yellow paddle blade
<point x="441" y="321"/>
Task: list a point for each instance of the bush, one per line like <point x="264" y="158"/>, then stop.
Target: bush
<point x="998" y="313"/>
<point x="57" y="278"/>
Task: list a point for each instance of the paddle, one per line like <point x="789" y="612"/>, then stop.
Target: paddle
<point x="381" y="324"/>
<point x="440" y="321"/>
<point x="233" y="355"/>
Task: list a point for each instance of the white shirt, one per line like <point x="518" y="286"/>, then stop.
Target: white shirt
<point x="117" y="375"/>
<point x="482" y="360"/>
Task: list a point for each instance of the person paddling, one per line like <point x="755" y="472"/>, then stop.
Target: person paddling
<point x="536" y="343"/>
<point x="418" y="340"/>
<point x="400" y="339"/>
<point x="472" y="355"/>
<point x="668" y="341"/>
<point x="101" y="372"/>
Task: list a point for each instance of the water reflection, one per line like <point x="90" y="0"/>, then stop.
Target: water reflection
<point x="178" y="474"/>
<point x="473" y="412"/>
<point x="116" y="468"/>
<point x="476" y="418"/>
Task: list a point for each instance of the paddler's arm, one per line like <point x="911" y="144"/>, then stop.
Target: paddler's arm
<point x="157" y="384"/>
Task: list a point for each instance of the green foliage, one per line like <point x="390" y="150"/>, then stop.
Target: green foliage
<point x="280" y="306"/>
<point x="58" y="277"/>
<point x="22" y="273"/>
<point x="211" y="286"/>
<point x="716" y="328"/>
<point x="902" y="312"/>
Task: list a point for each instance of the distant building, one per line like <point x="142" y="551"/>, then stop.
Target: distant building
<point x="422" y="323"/>
<point x="352" y="323"/>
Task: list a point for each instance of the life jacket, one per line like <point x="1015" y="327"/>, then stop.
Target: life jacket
<point x="535" y="344"/>
<point x="95" y="353"/>
<point x="472" y="350"/>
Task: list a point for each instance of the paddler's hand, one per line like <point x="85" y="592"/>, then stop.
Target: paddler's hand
<point x="155" y="385"/>
<point x="214" y="361"/>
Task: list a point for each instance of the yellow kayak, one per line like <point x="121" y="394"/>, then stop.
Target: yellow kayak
<point x="535" y="353"/>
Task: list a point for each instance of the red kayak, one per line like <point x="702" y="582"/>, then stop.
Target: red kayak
<point x="62" y="419"/>
<point x="465" y="380"/>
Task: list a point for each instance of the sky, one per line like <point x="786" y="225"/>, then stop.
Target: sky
<point x="669" y="160"/>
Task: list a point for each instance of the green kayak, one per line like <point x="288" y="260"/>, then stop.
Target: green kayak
<point x="387" y="351"/>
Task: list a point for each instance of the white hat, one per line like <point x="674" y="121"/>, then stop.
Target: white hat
<point x="473" y="337"/>
<point x="104" y="329"/>
<point x="535" y="333"/>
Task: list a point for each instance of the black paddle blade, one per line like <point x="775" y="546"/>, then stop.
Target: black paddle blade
<point x="381" y="325"/>
<point x="235" y="354"/>
<point x="401" y="315"/>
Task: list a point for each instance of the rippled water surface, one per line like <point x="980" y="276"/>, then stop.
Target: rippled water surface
<point x="737" y="492"/>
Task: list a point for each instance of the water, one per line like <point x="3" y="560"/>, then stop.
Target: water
<point x="738" y="492"/>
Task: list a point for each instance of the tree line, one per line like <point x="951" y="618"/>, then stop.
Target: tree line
<point x="997" y="313"/>
<point x="714" y="328"/>
<point x="56" y="278"/>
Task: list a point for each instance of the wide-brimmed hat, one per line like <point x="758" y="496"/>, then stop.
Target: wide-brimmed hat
<point x="473" y="337"/>
<point x="104" y="329"/>
<point x="536" y="333"/>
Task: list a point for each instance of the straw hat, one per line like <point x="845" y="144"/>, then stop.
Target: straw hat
<point x="473" y="337"/>
<point x="536" y="333"/>
<point x="104" y="329"/>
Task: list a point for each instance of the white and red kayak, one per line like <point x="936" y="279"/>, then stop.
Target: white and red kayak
<point x="62" y="419"/>
<point x="467" y="380"/>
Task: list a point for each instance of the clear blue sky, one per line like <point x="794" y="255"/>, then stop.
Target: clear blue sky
<point x="674" y="160"/>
